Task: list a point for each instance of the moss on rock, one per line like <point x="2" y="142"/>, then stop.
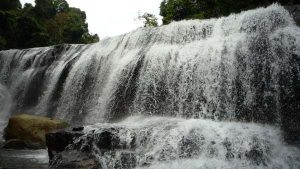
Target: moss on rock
<point x="31" y="129"/>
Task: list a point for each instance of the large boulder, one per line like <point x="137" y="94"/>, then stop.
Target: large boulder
<point x="65" y="150"/>
<point x="31" y="129"/>
<point x="58" y="141"/>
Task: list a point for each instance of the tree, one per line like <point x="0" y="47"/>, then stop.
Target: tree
<point x="47" y="9"/>
<point x="30" y="33"/>
<point x="175" y="10"/>
<point x="70" y="27"/>
<point x="47" y="23"/>
<point x="60" y="5"/>
<point x="44" y="9"/>
<point x="8" y="24"/>
<point x="10" y="5"/>
<point x="2" y="43"/>
<point x="149" y="20"/>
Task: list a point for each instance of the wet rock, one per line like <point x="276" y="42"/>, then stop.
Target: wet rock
<point x="229" y="156"/>
<point x="73" y="159"/>
<point x="108" y="140"/>
<point x="227" y="144"/>
<point x="256" y="156"/>
<point x="78" y="128"/>
<point x="20" y="144"/>
<point x="188" y="148"/>
<point x="14" y="144"/>
<point x="58" y="141"/>
<point x="295" y="11"/>
<point x="127" y="161"/>
<point x="85" y="144"/>
<point x="148" y="160"/>
<point x="67" y="149"/>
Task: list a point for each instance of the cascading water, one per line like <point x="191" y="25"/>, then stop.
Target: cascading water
<point x="5" y="103"/>
<point x="190" y="89"/>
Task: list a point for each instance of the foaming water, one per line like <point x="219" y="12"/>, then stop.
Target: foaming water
<point x="5" y="105"/>
<point x="160" y="142"/>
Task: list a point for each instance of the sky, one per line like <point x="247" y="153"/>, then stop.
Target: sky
<point x="113" y="17"/>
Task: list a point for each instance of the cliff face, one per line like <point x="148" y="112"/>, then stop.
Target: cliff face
<point x="295" y="11"/>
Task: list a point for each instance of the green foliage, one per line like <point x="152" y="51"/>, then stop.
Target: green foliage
<point x="47" y="23"/>
<point x="29" y="32"/>
<point x="180" y="9"/>
<point x="10" y="5"/>
<point x="44" y="9"/>
<point x="90" y="38"/>
<point x="8" y="20"/>
<point x="2" y="43"/>
<point x="60" y="5"/>
<point x="149" y="20"/>
<point x="175" y="10"/>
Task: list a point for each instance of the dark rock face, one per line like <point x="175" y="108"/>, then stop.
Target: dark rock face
<point x="64" y="150"/>
<point x="256" y="156"/>
<point x="295" y="11"/>
<point x="14" y="144"/>
<point x="21" y="145"/>
<point x="126" y="161"/>
<point x="188" y="148"/>
<point x="107" y="140"/>
<point x="73" y="159"/>
<point x="72" y="149"/>
<point x="58" y="141"/>
<point x="78" y="128"/>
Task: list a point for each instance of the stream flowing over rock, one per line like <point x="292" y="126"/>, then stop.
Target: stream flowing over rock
<point x="218" y="93"/>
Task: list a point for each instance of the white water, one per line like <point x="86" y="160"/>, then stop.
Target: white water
<point x="209" y="77"/>
<point x="5" y="104"/>
<point x="229" y="68"/>
<point x="161" y="142"/>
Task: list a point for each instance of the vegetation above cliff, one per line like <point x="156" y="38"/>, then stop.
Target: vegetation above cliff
<point x="47" y="23"/>
<point x="175" y="10"/>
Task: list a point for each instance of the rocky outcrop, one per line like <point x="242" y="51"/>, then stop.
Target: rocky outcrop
<point x="31" y="130"/>
<point x="63" y="153"/>
<point x="73" y="159"/>
<point x="74" y="149"/>
<point x="295" y="11"/>
<point x="126" y="148"/>
<point x="58" y="141"/>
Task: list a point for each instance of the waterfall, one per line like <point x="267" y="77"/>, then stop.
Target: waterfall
<point x="5" y="103"/>
<point x="234" y="79"/>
